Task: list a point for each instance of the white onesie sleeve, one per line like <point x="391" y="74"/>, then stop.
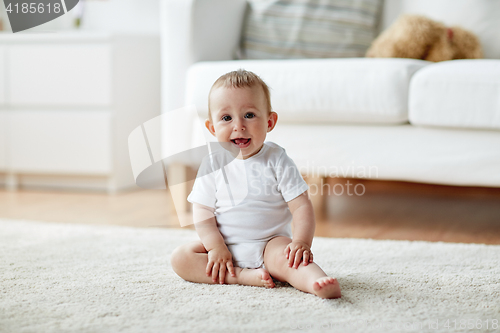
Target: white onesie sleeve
<point x="203" y="192"/>
<point x="290" y="181"/>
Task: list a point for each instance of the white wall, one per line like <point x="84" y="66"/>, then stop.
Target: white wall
<point x="139" y="16"/>
<point x="390" y="12"/>
<point x="122" y="16"/>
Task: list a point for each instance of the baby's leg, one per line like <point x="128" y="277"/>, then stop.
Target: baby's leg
<point x="310" y="278"/>
<point x="189" y="261"/>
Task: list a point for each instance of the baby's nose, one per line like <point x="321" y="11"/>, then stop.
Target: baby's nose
<point x="238" y="125"/>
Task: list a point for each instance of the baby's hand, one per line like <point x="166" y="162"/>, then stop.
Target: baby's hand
<point x="298" y="251"/>
<point x="219" y="258"/>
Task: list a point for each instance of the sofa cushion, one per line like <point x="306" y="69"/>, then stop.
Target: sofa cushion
<point x="457" y="93"/>
<point x="357" y="90"/>
<point x="279" y="29"/>
<point x="447" y="156"/>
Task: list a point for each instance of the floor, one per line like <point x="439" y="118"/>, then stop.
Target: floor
<point x="379" y="210"/>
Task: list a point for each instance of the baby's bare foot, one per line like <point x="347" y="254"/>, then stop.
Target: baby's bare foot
<point x="258" y="277"/>
<point x="327" y="287"/>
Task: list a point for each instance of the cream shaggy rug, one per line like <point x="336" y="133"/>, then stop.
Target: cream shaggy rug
<point x="79" y="278"/>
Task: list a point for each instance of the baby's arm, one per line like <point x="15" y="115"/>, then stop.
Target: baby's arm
<point x="219" y="257"/>
<point x="303" y="231"/>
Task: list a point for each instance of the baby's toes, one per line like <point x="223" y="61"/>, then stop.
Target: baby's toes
<point x="322" y="282"/>
<point x="329" y="281"/>
<point x="333" y="281"/>
<point x="266" y="278"/>
<point x="327" y="287"/>
<point x="269" y="284"/>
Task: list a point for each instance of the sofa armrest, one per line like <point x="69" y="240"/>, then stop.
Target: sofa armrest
<point x="192" y="31"/>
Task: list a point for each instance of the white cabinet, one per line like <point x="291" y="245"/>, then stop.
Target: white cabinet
<point x="60" y="74"/>
<point x="68" y="102"/>
<point x="3" y="140"/>
<point x="2" y="76"/>
<point x="63" y="141"/>
<point x="3" y="114"/>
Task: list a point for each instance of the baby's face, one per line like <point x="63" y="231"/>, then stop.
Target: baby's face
<point x="240" y="117"/>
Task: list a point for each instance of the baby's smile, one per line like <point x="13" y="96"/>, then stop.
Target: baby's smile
<point x="241" y="142"/>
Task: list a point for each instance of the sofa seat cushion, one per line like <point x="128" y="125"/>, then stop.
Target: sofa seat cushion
<point x="457" y="93"/>
<point x="448" y="156"/>
<point x="355" y="90"/>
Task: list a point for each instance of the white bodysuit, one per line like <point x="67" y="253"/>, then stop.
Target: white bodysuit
<point x="250" y="199"/>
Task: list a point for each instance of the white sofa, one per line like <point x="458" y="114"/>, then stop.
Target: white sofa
<point x="388" y="119"/>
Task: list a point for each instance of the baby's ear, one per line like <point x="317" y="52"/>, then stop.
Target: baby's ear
<point x="271" y="121"/>
<point x="210" y="126"/>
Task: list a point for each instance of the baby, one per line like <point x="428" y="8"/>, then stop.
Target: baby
<point x="248" y="240"/>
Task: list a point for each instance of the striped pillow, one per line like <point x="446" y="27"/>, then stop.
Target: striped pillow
<point x="285" y="29"/>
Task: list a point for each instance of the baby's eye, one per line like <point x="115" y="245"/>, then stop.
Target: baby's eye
<point x="226" y="118"/>
<point x="249" y="115"/>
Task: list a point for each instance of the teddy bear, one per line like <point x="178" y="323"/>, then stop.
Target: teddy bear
<point x="418" y="37"/>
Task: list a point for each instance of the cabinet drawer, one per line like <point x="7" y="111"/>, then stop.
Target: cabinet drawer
<point x="66" y="141"/>
<point x="59" y="75"/>
<point x="3" y="141"/>
<point x="2" y="76"/>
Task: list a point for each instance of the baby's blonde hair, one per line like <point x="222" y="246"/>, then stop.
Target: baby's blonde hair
<point x="240" y="79"/>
